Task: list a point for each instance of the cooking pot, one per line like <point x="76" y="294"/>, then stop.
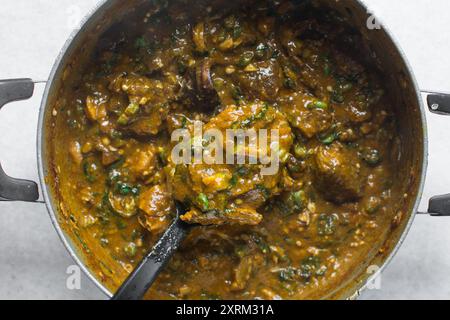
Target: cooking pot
<point x="382" y="52"/>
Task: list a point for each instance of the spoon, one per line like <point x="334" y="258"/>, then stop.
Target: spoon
<point x="142" y="278"/>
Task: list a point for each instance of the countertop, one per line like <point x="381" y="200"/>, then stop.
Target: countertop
<point x="33" y="261"/>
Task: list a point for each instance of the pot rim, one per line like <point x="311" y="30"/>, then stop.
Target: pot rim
<point x="40" y="145"/>
<point x="102" y="5"/>
<point x="425" y="155"/>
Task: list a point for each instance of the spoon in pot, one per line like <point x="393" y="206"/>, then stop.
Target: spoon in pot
<point x="142" y="278"/>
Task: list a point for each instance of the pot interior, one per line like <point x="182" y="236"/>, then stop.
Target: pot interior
<point x="379" y="51"/>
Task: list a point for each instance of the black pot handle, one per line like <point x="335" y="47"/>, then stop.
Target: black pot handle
<point x="14" y="189"/>
<point x="439" y="103"/>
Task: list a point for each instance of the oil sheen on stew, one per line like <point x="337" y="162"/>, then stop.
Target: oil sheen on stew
<point x="297" y="234"/>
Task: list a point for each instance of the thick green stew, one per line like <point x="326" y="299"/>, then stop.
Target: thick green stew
<point x="297" y="234"/>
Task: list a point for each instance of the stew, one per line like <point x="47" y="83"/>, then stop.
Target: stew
<point x="297" y="234"/>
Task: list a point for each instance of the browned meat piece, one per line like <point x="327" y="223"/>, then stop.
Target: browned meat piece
<point x="146" y="126"/>
<point x="358" y="112"/>
<point x="303" y="115"/>
<point x="157" y="208"/>
<point x="338" y="174"/>
<point x="95" y="109"/>
<point x="156" y="202"/>
<point x="264" y="81"/>
<point x="240" y="216"/>
<point x="142" y="162"/>
<point x="219" y="191"/>
<point x="109" y="158"/>
<point x="151" y="122"/>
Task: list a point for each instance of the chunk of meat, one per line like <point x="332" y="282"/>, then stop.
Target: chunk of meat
<point x="142" y="162"/>
<point x="155" y="225"/>
<point x="210" y="179"/>
<point x="156" y="202"/>
<point x="151" y="122"/>
<point x="146" y="126"/>
<point x="217" y="191"/>
<point x="95" y="109"/>
<point x="157" y="209"/>
<point x="239" y="216"/>
<point x="304" y="116"/>
<point x="263" y="83"/>
<point x="109" y="157"/>
<point x="254" y="116"/>
<point x="338" y="174"/>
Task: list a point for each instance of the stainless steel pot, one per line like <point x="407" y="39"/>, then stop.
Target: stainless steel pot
<point x="381" y="50"/>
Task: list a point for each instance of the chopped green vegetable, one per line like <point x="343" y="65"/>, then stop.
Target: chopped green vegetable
<point x="326" y="224"/>
<point x="132" y="109"/>
<point x="237" y="31"/>
<point x="123" y="120"/>
<point x="288" y="274"/>
<point x="337" y="97"/>
<point x="329" y="139"/>
<point x="233" y="181"/>
<point x="203" y="200"/>
<point x="320" y="105"/>
<point x="82" y="242"/>
<point x="293" y="165"/>
<point x="245" y="59"/>
<point x="261" y="51"/>
<point x="373" y="205"/>
<point x="264" y="190"/>
<point x="371" y="156"/>
<point x="310" y="267"/>
<point x="141" y="43"/>
<point x="236" y="93"/>
<point x="327" y="69"/>
<point x="299" y="198"/>
<point x="125" y="189"/>
<point x="130" y="250"/>
<point x="300" y="151"/>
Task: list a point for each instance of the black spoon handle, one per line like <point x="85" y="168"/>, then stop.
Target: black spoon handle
<point x="141" y="279"/>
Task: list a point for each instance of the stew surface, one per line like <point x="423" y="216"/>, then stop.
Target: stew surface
<point x="297" y="234"/>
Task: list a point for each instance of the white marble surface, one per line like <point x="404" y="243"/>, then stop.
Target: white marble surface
<point x="33" y="261"/>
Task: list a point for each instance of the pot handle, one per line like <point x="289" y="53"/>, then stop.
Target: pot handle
<point x="15" y="189"/>
<point x="439" y="103"/>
